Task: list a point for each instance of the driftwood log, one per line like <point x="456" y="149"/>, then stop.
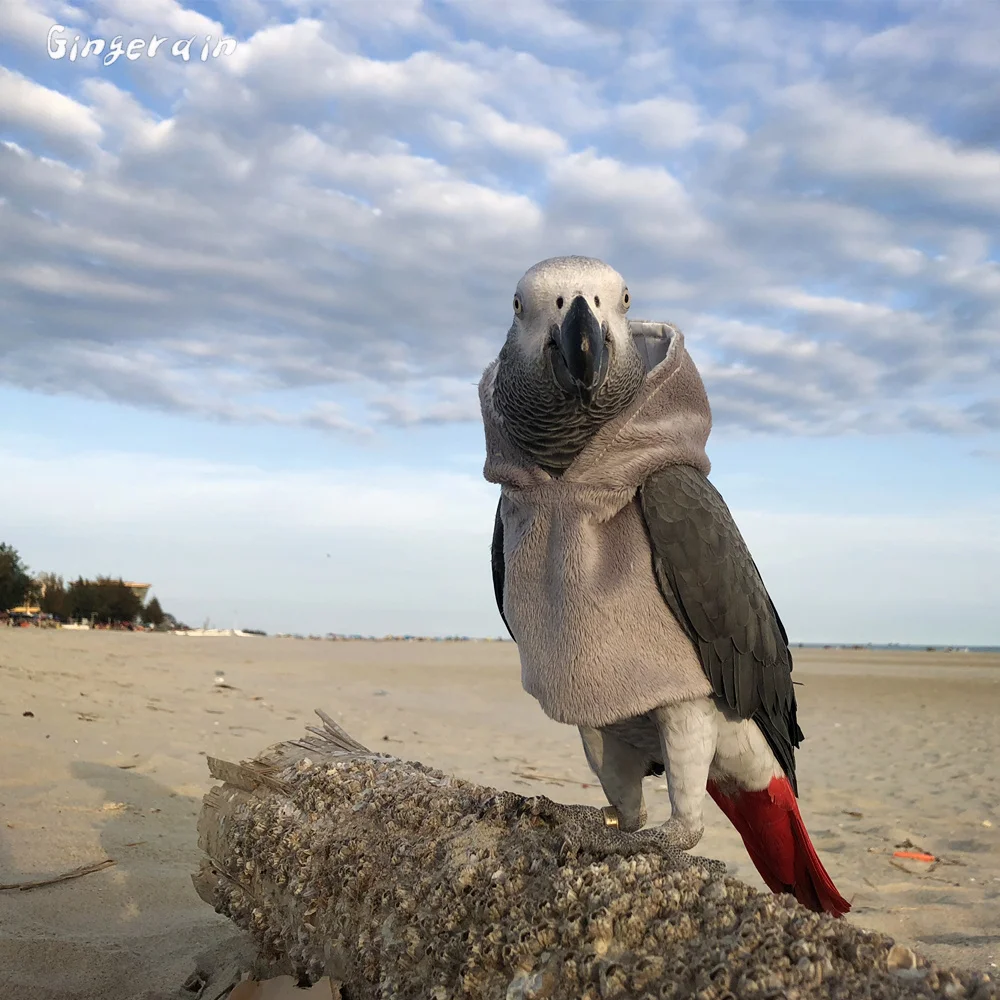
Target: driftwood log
<point x="400" y="882"/>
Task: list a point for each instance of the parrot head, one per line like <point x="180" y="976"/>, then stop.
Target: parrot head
<point x="570" y="362"/>
<point x="569" y="319"/>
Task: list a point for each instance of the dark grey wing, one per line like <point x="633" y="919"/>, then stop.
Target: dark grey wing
<point x="711" y="583"/>
<point x="499" y="569"/>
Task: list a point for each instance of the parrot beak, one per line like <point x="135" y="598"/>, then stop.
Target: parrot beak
<point x="581" y="359"/>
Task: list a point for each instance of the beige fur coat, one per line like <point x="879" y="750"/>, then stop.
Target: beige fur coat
<point x="597" y="641"/>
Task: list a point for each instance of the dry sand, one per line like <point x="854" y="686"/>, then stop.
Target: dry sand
<point x="901" y="747"/>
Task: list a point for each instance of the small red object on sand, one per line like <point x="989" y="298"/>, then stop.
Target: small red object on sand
<point x="914" y="855"/>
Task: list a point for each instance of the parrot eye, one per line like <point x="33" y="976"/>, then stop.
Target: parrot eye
<point x="559" y="302"/>
<point x="625" y="299"/>
<point x="517" y="305"/>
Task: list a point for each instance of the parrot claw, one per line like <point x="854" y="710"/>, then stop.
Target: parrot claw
<point x="678" y="834"/>
<point x="601" y="831"/>
<point x="668" y="841"/>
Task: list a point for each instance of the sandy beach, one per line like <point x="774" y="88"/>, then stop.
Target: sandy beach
<point x="103" y="746"/>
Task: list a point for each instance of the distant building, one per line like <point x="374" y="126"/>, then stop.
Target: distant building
<point x="139" y="589"/>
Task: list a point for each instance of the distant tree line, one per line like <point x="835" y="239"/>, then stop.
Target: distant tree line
<point x="104" y="600"/>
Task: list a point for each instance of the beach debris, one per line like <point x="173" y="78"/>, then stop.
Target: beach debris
<point x="909" y="851"/>
<point x="220" y="681"/>
<point x="97" y="866"/>
<point x="29" y="714"/>
<point x="397" y="880"/>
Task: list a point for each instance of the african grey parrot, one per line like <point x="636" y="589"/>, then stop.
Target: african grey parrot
<point x="639" y="614"/>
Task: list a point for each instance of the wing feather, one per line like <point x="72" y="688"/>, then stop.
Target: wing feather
<point x="499" y="566"/>
<point x="712" y="585"/>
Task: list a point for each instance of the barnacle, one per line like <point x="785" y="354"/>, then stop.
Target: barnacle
<point x="401" y="882"/>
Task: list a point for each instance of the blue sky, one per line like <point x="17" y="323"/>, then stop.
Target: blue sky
<point x="246" y="301"/>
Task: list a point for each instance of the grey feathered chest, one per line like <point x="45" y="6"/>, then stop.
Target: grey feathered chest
<point x="546" y="424"/>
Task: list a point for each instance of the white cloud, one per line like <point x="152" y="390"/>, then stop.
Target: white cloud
<point x="847" y="138"/>
<point x="49" y="114"/>
<point x="74" y="283"/>
<point x="27" y="22"/>
<point x="312" y="211"/>
<point x="490" y="127"/>
<point x="945" y="33"/>
<point x="618" y="202"/>
<point x="667" y="123"/>
<point x="164" y="17"/>
<point x="528" y="22"/>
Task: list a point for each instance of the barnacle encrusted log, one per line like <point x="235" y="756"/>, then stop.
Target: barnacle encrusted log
<point x="399" y="881"/>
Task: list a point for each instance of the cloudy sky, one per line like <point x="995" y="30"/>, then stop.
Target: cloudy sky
<point x="245" y="300"/>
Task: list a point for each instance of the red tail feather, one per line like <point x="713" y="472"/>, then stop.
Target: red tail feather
<point x="779" y="846"/>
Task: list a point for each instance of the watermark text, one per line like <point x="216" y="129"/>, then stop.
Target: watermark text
<point x="61" y="46"/>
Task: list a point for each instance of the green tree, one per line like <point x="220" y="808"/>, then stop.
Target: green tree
<point x="33" y="593"/>
<point x="152" y="613"/>
<point x="53" y="599"/>
<point x="105" y="600"/>
<point x="14" y="578"/>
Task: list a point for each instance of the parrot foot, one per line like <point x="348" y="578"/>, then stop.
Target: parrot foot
<point x="667" y="843"/>
<point x="598" y="831"/>
<point x="677" y="834"/>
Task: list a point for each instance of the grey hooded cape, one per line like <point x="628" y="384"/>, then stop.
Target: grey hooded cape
<point x="597" y="641"/>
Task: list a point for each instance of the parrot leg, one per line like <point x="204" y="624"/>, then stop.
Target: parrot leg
<point x="689" y="732"/>
<point x="620" y="768"/>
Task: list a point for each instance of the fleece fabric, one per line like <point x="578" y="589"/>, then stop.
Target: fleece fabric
<point x="596" y="640"/>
